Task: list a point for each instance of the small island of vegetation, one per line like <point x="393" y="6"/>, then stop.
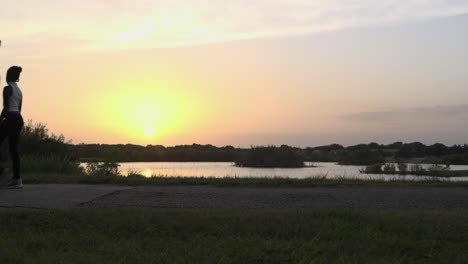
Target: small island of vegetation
<point x="271" y="157"/>
<point x="434" y="170"/>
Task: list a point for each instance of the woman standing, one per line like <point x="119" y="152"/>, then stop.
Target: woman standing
<point x="12" y="121"/>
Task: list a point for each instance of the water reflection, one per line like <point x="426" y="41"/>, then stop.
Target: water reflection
<point x="226" y="169"/>
<point x="148" y="173"/>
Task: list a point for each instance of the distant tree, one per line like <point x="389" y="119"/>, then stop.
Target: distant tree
<point x="455" y="149"/>
<point x="412" y="150"/>
<point x="329" y="147"/>
<point x="396" y="145"/>
<point x="437" y="150"/>
<point x="362" y="157"/>
<point x="357" y="147"/>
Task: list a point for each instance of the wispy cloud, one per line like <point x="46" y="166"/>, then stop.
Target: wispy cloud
<point x="456" y="115"/>
<point x="147" y="23"/>
<point x="445" y="123"/>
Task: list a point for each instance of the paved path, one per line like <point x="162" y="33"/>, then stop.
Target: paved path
<point x="53" y="196"/>
<point x="198" y="197"/>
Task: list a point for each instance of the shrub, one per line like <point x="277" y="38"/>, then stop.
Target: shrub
<point x="438" y="167"/>
<point x="389" y="167"/>
<point x="402" y="167"/>
<point x="50" y="164"/>
<point x="36" y="140"/>
<point x="416" y="168"/>
<point x="271" y="157"/>
<point x="372" y="169"/>
<point x="102" y="169"/>
<point x="363" y="157"/>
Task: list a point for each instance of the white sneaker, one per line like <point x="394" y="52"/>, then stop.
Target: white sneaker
<point x="15" y="184"/>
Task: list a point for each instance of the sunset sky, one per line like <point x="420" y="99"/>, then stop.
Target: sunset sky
<point x="242" y="73"/>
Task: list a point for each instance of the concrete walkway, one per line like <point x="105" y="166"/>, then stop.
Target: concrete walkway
<point x="206" y="197"/>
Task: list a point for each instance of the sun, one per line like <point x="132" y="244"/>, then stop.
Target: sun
<point x="149" y="132"/>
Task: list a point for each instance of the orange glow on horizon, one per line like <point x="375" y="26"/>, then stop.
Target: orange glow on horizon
<point x="151" y="111"/>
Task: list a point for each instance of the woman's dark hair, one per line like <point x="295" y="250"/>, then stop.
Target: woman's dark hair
<point x="13" y="74"/>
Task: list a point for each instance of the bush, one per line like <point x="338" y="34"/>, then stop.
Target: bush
<point x="402" y="167"/>
<point x="389" y="167"/>
<point x="363" y="157"/>
<point x="36" y="140"/>
<point x="416" y="168"/>
<point x="372" y="169"/>
<point x="456" y="159"/>
<point x="50" y="164"/>
<point x="438" y="167"/>
<point x="271" y="157"/>
<point x="102" y="169"/>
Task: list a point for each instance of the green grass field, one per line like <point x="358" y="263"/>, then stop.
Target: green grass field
<point x="171" y="236"/>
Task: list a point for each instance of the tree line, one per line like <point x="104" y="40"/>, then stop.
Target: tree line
<point x="37" y="141"/>
<point x="361" y="154"/>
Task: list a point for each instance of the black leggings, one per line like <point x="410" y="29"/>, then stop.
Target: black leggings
<point x="11" y="128"/>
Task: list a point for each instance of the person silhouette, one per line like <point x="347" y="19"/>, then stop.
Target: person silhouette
<point x="12" y="122"/>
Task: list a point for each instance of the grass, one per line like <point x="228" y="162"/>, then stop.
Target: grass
<point x="440" y="173"/>
<point x="182" y="236"/>
<point x="49" y="164"/>
<point x="49" y="178"/>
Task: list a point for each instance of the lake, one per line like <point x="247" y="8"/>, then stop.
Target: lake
<point x="227" y="169"/>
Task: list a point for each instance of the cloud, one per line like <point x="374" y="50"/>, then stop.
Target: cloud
<point x="147" y="23"/>
<point x="454" y="115"/>
<point x="446" y="123"/>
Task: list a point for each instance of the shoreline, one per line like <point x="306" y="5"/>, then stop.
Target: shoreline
<point x="136" y="180"/>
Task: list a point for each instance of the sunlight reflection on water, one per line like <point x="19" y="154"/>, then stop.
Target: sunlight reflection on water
<point x="227" y="169"/>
